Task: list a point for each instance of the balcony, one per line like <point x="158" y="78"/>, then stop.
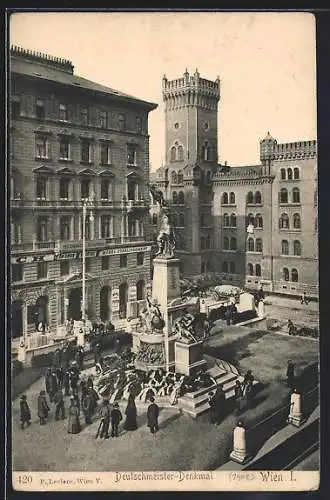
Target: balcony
<point x="64" y="203"/>
<point x="32" y="246"/>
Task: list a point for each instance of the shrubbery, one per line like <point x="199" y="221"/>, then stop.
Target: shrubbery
<point x="16" y="367"/>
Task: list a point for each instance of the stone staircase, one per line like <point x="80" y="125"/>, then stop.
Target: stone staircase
<point x="196" y="403"/>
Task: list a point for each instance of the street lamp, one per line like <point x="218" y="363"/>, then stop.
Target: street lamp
<point x="86" y="202"/>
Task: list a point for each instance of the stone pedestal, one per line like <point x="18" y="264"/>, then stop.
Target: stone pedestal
<point x="261" y="309"/>
<point x="81" y="337"/>
<point x="166" y="281"/>
<point x="188" y="357"/>
<point x="239" y="453"/>
<point x="21" y="355"/>
<point x="295" y="416"/>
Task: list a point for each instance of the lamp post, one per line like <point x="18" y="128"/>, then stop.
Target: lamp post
<point x="91" y="218"/>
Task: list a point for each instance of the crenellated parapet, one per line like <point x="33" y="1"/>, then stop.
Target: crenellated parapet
<point x="55" y="62"/>
<point x="301" y="149"/>
<point x="191" y="90"/>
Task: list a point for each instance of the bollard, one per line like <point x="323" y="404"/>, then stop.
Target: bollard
<point x="239" y="453"/>
<point x="295" y="416"/>
<point x="261" y="309"/>
<point x="21" y="355"/>
<point x="81" y="337"/>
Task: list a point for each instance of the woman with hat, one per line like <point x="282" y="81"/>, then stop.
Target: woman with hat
<point x="74" y="422"/>
<point x="25" y="411"/>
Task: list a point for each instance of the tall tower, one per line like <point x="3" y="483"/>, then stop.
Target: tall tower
<point x="191" y="144"/>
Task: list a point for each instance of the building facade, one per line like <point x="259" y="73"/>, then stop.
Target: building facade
<point x="249" y="225"/>
<point x="75" y="143"/>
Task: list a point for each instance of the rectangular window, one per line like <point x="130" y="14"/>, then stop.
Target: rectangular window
<point x="84" y="115"/>
<point x="42" y="270"/>
<point x="140" y="259"/>
<point x="15" y="107"/>
<point x="65" y="226"/>
<point x="64" y="189"/>
<point x="105" y="263"/>
<point x="131" y="154"/>
<point x="105" y="153"/>
<point x="105" y="185"/>
<point x="42" y="229"/>
<point x="64" y="268"/>
<point x="106" y="228"/>
<point x="84" y="187"/>
<point x="103" y="119"/>
<point x="41" y="188"/>
<point x="123" y="260"/>
<point x="16" y="232"/>
<point x="138" y="125"/>
<point x="41" y="147"/>
<point x="40" y="109"/>
<point x="85" y="150"/>
<point x="63" y="112"/>
<point x="122" y="122"/>
<point x="64" y="148"/>
<point x="17" y="272"/>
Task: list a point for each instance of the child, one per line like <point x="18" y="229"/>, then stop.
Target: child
<point x="116" y="417"/>
<point x="25" y="411"/>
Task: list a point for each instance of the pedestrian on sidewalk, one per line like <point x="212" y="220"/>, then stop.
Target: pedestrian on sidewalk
<point x="60" y="376"/>
<point x="87" y="407"/>
<point x="43" y="408"/>
<point x="48" y="382"/>
<point x="59" y="402"/>
<point x="240" y="401"/>
<point x="291" y="327"/>
<point x="53" y="385"/>
<point x="131" y="414"/>
<point x="247" y="387"/>
<point x="304" y="299"/>
<point x="74" y="422"/>
<point x="66" y="383"/>
<point x="290" y="374"/>
<point x="25" y="411"/>
<point x="103" y="430"/>
<point x="116" y="418"/>
<point x="152" y="416"/>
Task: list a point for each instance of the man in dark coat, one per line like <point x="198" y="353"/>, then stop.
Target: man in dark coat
<point x="60" y="376"/>
<point x="25" y="411"/>
<point x="116" y="418"/>
<point x="43" y="407"/>
<point x="65" y="358"/>
<point x="59" y="402"/>
<point x="48" y="379"/>
<point x="87" y="407"/>
<point x="152" y="416"/>
<point x="290" y="375"/>
<point x="53" y="385"/>
<point x="103" y="430"/>
<point x="66" y="383"/>
<point x="216" y="402"/>
<point x="74" y="377"/>
<point x="79" y="358"/>
<point x="97" y="353"/>
<point x="57" y="358"/>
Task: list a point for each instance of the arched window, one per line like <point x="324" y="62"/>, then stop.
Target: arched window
<point x="175" y="220"/>
<point x="284" y="247"/>
<point x="283" y="196"/>
<point x="258" y="270"/>
<point x="180" y="177"/>
<point x="208" y="242"/>
<point x="283" y="174"/>
<point x="290" y="174"/>
<point x="202" y="243"/>
<point x="154" y="220"/>
<point x="257" y="198"/>
<point x="232" y="198"/>
<point x="285" y="274"/>
<point x="233" y="220"/>
<point x="173" y="153"/>
<point x="296" y="173"/>
<point x="249" y="198"/>
<point x="250" y="269"/>
<point x="225" y="266"/>
<point x="226" y="243"/>
<point x="258" y="245"/>
<point x="295" y="195"/>
<point x="259" y="221"/>
<point x="174" y="178"/>
<point x="175" y="198"/>
<point x="296" y="221"/>
<point x="225" y="199"/>
<point x="180" y="153"/>
<point x="296" y="248"/>
<point x="294" y="275"/>
<point x="250" y="219"/>
<point x="181" y="198"/>
<point x="225" y="220"/>
<point x="284" y="221"/>
<point x="181" y="220"/>
<point x="233" y="243"/>
<point x="232" y="268"/>
<point x="250" y="244"/>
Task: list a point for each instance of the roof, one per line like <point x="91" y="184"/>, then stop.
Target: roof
<point x="40" y="70"/>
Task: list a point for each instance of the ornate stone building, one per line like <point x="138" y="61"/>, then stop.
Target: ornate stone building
<point x="73" y="141"/>
<point x="250" y="225"/>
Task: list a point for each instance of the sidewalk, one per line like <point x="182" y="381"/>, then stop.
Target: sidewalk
<point x="291" y="303"/>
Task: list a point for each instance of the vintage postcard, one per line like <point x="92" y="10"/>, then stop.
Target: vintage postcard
<point x="164" y="251"/>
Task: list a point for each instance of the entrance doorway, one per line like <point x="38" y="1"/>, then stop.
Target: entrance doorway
<point x="123" y="297"/>
<point x="105" y="303"/>
<point x="74" y="309"/>
<point x="17" y="319"/>
<point x="42" y="310"/>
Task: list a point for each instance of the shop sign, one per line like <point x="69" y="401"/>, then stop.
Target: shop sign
<point x="119" y="251"/>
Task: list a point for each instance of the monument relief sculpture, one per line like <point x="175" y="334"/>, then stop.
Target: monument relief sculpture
<point x="166" y="237"/>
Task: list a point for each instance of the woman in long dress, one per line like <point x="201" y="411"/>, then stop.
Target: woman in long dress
<point x="131" y="415"/>
<point x="74" y="422"/>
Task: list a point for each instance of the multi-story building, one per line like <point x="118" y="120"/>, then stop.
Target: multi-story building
<point x="74" y="142"/>
<point x="250" y="225"/>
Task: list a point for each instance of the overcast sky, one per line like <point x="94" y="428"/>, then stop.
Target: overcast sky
<point x="266" y="63"/>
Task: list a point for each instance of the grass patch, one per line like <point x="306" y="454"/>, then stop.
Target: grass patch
<point x="23" y="380"/>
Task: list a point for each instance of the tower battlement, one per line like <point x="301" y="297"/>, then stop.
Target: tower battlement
<point x="302" y="149"/>
<point x="191" y="90"/>
<point x="46" y="59"/>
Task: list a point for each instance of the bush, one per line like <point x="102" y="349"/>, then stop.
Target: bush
<point x="245" y="316"/>
<point x="42" y="360"/>
<point x="308" y="332"/>
<point x="16" y="367"/>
